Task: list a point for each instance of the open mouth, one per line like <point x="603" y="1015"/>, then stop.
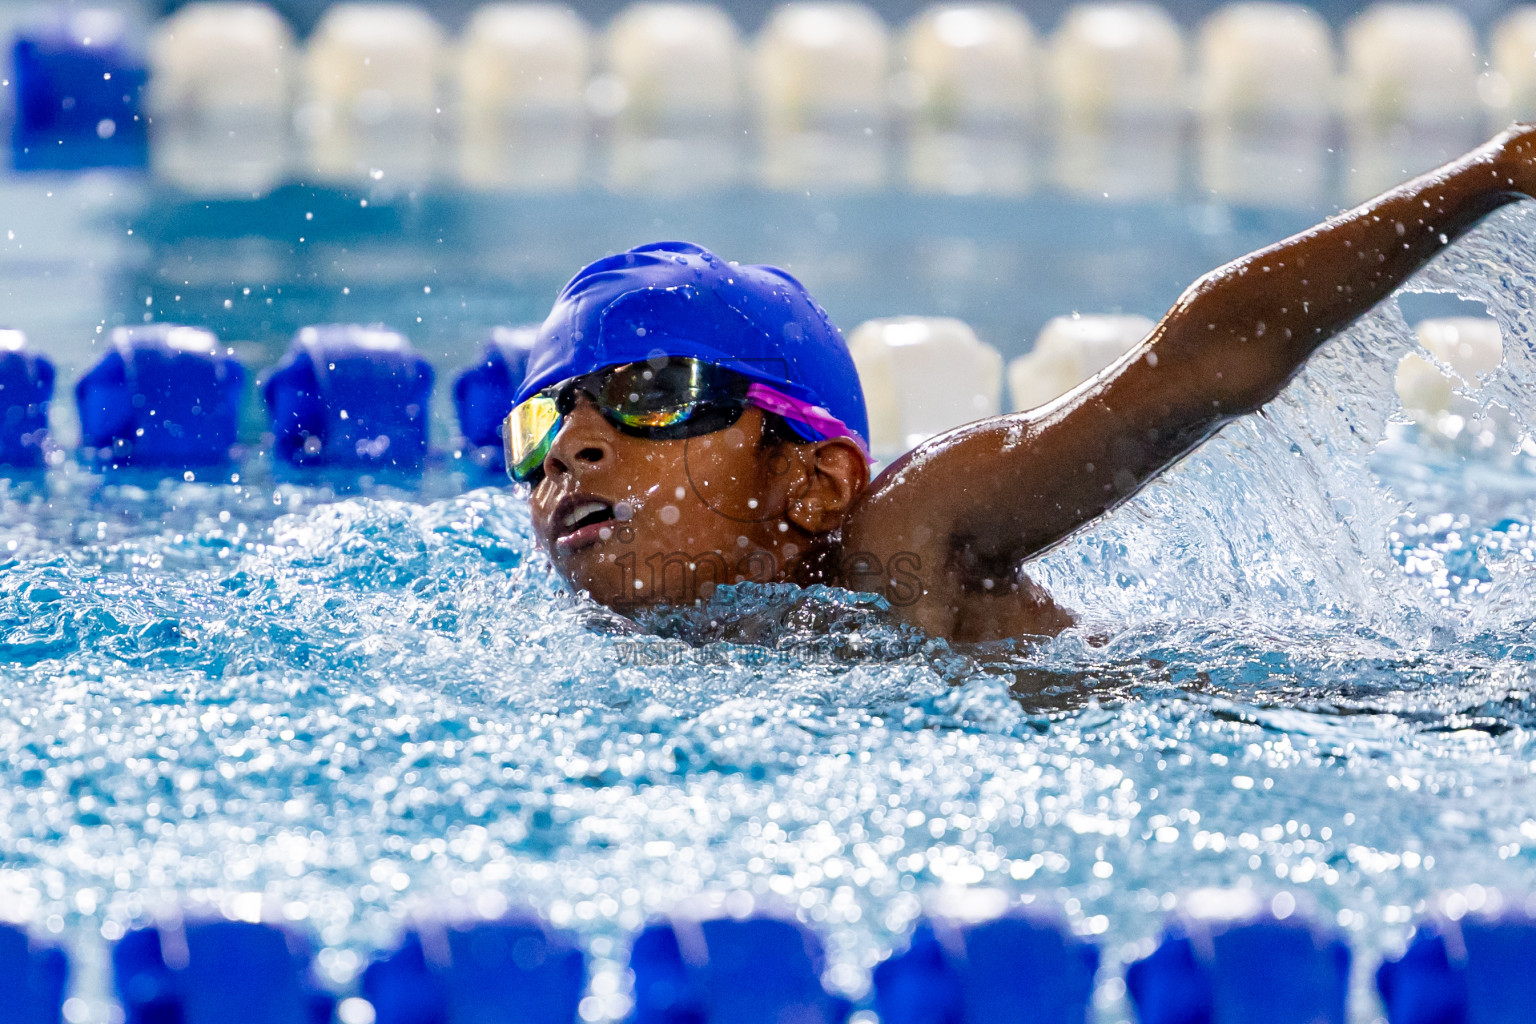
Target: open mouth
<point x="580" y="521"/>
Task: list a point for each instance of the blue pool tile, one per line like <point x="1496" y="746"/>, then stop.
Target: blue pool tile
<point x="163" y="397"/>
<point x="513" y="971"/>
<point x="723" y="970"/>
<point x="197" y="972"/>
<point x="482" y="394"/>
<point x="1020" y="962"/>
<point x="32" y="977"/>
<point x="79" y="80"/>
<point x="26" y="387"/>
<point x="1234" y="961"/>
<point x="350" y="396"/>
<point x="1479" y="969"/>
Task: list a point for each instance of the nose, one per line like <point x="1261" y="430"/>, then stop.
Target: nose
<point x="584" y="441"/>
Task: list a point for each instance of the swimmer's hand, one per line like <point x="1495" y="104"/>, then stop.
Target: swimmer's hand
<point x="962" y="512"/>
<point x="1515" y="158"/>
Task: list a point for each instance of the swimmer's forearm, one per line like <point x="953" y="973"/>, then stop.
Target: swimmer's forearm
<point x="1237" y="336"/>
<point x="1240" y="333"/>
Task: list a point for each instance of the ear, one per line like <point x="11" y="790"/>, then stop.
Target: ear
<point x="835" y="476"/>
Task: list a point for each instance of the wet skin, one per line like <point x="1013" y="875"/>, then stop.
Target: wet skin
<point x="636" y="522"/>
<point x="945" y="532"/>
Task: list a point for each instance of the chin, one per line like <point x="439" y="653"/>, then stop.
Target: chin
<point x="591" y="572"/>
<point x="666" y="577"/>
<point x="605" y="587"/>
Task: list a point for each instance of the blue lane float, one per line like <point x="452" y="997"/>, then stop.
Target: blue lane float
<point x="758" y="969"/>
<point x="1224" y="959"/>
<point x="513" y="971"/>
<point x="32" y="978"/>
<point x="79" y="80"/>
<point x="985" y="971"/>
<point x="1476" y="969"/>
<point x="1227" y="959"/>
<point x="349" y="395"/>
<point x="26" y="387"/>
<point x="163" y="397"/>
<point x="199" y="972"/>
<point x="482" y="394"/>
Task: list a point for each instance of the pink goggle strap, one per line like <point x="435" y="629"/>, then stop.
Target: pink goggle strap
<point x="819" y="420"/>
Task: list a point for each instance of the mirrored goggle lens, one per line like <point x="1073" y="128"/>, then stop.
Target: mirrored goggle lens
<point x="530" y="430"/>
<point x="647" y="396"/>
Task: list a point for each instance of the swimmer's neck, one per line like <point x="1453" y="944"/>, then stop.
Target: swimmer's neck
<point x="1009" y="606"/>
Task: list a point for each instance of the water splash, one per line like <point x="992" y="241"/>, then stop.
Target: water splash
<point x="1282" y="525"/>
<point x="347" y="707"/>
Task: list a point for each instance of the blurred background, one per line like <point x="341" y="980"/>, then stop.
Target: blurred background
<point x="1010" y="193"/>
<point x="751" y="13"/>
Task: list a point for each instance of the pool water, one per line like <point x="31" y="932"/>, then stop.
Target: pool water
<point x="82" y="253"/>
<point x="1304" y="665"/>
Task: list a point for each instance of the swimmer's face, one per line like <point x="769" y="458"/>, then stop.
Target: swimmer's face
<point x="635" y="521"/>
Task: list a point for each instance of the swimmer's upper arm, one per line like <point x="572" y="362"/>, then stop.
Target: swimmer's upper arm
<point x="970" y="505"/>
<point x="976" y="501"/>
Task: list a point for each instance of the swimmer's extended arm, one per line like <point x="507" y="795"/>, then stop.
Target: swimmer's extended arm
<point x="970" y="505"/>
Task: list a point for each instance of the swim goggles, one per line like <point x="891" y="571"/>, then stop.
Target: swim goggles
<point x="658" y="399"/>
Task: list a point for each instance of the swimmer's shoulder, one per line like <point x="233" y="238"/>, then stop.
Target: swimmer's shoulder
<point x="931" y="575"/>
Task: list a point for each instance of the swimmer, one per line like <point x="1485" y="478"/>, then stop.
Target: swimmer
<point x="687" y="422"/>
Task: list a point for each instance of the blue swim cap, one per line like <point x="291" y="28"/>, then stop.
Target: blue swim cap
<point x="679" y="299"/>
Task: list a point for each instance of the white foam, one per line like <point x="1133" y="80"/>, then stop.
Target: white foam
<point x="219" y="95"/>
<point x="1510" y="90"/>
<point x="522" y="80"/>
<point x="371" y="73"/>
<point x="922" y="376"/>
<point x="820" y="72"/>
<point x="1117" y="80"/>
<point x="1068" y="351"/>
